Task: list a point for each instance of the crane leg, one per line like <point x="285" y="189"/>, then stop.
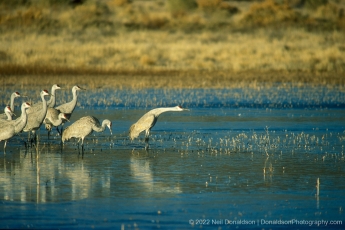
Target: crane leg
<point x="30" y="140"/>
<point x="78" y="148"/>
<point x="5" y="146"/>
<point x="82" y="151"/>
<point x="82" y="145"/>
<point x="34" y="139"/>
<point x="82" y="148"/>
<point x="57" y="129"/>
<point x="146" y="143"/>
<point x="147" y="139"/>
<point x="61" y="146"/>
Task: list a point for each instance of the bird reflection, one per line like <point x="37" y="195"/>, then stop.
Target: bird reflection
<point x="142" y="172"/>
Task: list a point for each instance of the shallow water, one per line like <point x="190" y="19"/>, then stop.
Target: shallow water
<point x="239" y="158"/>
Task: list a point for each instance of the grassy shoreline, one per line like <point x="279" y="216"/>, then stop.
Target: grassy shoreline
<point x="168" y="79"/>
<point x="135" y="44"/>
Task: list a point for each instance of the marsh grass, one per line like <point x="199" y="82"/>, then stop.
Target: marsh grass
<point x="120" y="37"/>
<point x="44" y="76"/>
<point x="157" y="51"/>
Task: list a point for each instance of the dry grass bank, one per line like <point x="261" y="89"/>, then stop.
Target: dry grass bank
<point x="176" y="79"/>
<point x="292" y="50"/>
<point x="202" y="41"/>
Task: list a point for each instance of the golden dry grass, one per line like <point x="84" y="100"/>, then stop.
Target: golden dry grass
<point x="263" y="50"/>
<point x="173" y="79"/>
<point x="134" y="38"/>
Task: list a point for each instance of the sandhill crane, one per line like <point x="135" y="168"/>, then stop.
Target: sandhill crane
<point x="13" y="96"/>
<point x="13" y="127"/>
<point x="51" y="102"/>
<point x="36" y="115"/>
<point x="53" y="118"/>
<point x="83" y="127"/>
<point x="69" y="107"/>
<point x="148" y="120"/>
<point x="8" y="113"/>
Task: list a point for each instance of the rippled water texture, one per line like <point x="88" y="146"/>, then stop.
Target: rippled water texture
<point x="248" y="155"/>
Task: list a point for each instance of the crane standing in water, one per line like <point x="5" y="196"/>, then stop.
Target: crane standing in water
<point x="148" y="120"/>
<point x="84" y="127"/>
<point x="68" y="107"/>
<point x="13" y="127"/>
<point x="36" y="116"/>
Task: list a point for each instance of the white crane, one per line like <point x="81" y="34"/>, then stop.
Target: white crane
<point x="84" y="127"/>
<point x="36" y="115"/>
<point x="148" y="120"/>
<point x="8" y="113"/>
<point x="13" y="127"/>
<point x="13" y="96"/>
<point x="53" y="118"/>
<point x="69" y="107"/>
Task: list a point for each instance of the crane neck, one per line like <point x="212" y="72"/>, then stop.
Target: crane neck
<point x="101" y="128"/>
<point x="12" y="101"/>
<point x="44" y="102"/>
<point x="24" y="114"/>
<point x="52" y="101"/>
<point x="9" y="116"/>
<point x="159" y="111"/>
<point x="75" y="95"/>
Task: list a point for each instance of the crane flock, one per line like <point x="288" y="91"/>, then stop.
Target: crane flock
<point x="46" y="112"/>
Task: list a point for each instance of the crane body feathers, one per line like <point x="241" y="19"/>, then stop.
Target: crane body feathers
<point x="84" y="127"/>
<point x="37" y="115"/>
<point x="148" y="120"/>
<point x="13" y="127"/>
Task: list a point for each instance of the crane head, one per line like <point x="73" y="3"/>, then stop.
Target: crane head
<point x="45" y="92"/>
<point x="64" y="116"/>
<point x="26" y="105"/>
<point x="179" y="108"/>
<point x="56" y="86"/>
<point x="9" y="110"/>
<point x="108" y="124"/>
<point x="77" y="87"/>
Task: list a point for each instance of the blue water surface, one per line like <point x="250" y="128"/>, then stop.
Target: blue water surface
<point x="240" y="158"/>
